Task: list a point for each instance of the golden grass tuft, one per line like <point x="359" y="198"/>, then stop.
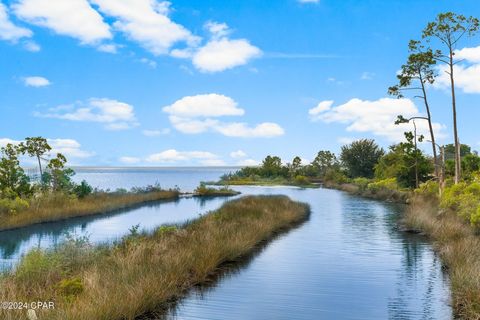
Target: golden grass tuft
<point x="59" y="206"/>
<point x="143" y="273"/>
<point x="459" y="248"/>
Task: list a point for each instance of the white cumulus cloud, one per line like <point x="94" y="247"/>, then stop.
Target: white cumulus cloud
<point x="173" y="155"/>
<point x="36" y="81"/>
<point x="466" y="71"/>
<point x="469" y="54"/>
<point x="8" y="30"/>
<point x="240" y="129"/>
<point x="376" y="117"/>
<point x="220" y="52"/>
<point x="321" y="107"/>
<point x="74" y="18"/>
<point x="467" y="78"/>
<point x="70" y="148"/>
<point x="205" y="105"/>
<point x="115" y="115"/>
<point x="146" y="22"/>
<point x="200" y="113"/>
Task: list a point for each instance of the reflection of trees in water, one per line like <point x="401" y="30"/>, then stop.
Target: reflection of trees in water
<point x="418" y="280"/>
<point x="416" y="290"/>
<point x="361" y="218"/>
<point x="12" y="240"/>
<point x="202" y="201"/>
<point x="225" y="271"/>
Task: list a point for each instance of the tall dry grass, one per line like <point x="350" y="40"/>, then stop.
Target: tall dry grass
<point x="59" y="206"/>
<point x="459" y="249"/>
<point x="143" y="273"/>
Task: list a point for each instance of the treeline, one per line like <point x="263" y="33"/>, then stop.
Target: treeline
<point x="361" y="159"/>
<point x="16" y="187"/>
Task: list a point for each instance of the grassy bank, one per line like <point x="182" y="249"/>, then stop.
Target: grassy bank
<point x="278" y="181"/>
<point x="58" y="206"/>
<point x="457" y="242"/>
<point x="372" y="190"/>
<point x="144" y="273"/>
<point x="204" y="191"/>
<point x="459" y="249"/>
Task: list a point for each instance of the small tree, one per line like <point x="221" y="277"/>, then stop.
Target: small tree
<point x="449" y="28"/>
<point x="13" y="180"/>
<point x="406" y="163"/>
<point x="415" y="75"/>
<point x="35" y="147"/>
<point x="272" y="166"/>
<point x="465" y="150"/>
<point x="58" y="176"/>
<point x="324" y="161"/>
<point x="360" y="158"/>
<point x="295" y="166"/>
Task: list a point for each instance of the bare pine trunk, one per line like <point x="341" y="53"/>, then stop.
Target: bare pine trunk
<point x="458" y="163"/>
<point x="430" y="126"/>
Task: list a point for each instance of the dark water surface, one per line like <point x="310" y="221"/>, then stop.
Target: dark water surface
<point x="348" y="261"/>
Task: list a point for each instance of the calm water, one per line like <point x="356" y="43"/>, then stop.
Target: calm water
<point x="187" y="179"/>
<point x="348" y="261"/>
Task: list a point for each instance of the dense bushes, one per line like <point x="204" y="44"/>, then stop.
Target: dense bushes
<point x="360" y="157"/>
<point x="464" y="199"/>
<point x="17" y="192"/>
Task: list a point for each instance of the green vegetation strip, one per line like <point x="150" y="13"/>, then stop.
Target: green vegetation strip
<point x="60" y="206"/>
<point x="459" y="249"/>
<point x="145" y="272"/>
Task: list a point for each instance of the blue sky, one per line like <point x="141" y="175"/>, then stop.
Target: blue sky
<point x="140" y="82"/>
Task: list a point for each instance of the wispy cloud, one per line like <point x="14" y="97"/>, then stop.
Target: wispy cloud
<point x="36" y="81"/>
<point x="115" y="115"/>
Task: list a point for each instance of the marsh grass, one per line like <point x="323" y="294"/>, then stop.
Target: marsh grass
<point x="59" y="206"/>
<point x="205" y="191"/>
<point x="146" y="272"/>
<point x="376" y="193"/>
<point x="459" y="248"/>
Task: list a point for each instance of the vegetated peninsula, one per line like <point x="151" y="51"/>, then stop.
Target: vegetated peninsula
<point x="143" y="272"/>
<point x="55" y="196"/>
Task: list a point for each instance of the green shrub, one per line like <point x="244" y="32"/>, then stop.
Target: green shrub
<point x="37" y="267"/>
<point x="301" y="180"/>
<point x="451" y="196"/>
<point x="385" y="184"/>
<point x="71" y="287"/>
<point x="13" y="206"/>
<point x="464" y="200"/>
<point x="334" y="175"/>
<point x="83" y="189"/>
<point x="475" y="218"/>
<point x="165" y="230"/>
<point x="362" y="183"/>
<point x="429" y="189"/>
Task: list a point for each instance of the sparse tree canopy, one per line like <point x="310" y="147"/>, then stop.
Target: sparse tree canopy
<point x="35" y="147"/>
<point x="414" y="76"/>
<point x="405" y="163"/>
<point x="13" y="181"/>
<point x="449" y="28"/>
<point x="360" y="157"/>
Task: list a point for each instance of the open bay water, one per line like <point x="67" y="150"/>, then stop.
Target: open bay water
<point x="348" y="261"/>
